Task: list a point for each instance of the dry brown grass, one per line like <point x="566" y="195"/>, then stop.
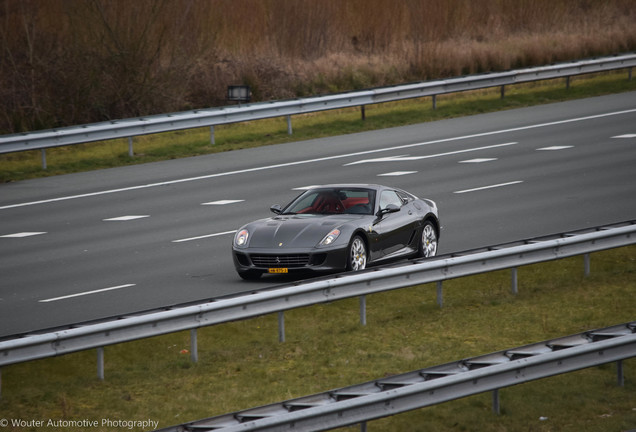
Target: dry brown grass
<point x="76" y="61"/>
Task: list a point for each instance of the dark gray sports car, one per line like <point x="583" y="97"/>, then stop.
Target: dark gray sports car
<point x="337" y="227"/>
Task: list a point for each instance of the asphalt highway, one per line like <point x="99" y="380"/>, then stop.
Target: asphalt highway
<point x="110" y="242"/>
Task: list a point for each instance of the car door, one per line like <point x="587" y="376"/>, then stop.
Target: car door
<point x="394" y="230"/>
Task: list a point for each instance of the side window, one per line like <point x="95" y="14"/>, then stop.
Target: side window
<point x="406" y="197"/>
<point x="390" y="197"/>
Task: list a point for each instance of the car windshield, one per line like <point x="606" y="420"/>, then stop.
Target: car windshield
<point x="332" y="201"/>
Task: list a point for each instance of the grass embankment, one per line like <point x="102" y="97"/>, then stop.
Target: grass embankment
<point x="242" y="365"/>
<point x="193" y="142"/>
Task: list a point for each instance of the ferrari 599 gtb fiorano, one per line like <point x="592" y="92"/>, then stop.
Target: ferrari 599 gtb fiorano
<point x="335" y="228"/>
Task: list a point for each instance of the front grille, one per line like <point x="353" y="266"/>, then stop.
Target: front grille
<point x="289" y="260"/>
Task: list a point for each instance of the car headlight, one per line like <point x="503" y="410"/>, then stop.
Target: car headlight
<point x="240" y="239"/>
<point x="330" y="238"/>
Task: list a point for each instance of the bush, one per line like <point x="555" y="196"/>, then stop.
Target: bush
<point x="67" y="62"/>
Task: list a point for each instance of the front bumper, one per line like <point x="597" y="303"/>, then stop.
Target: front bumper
<point x="316" y="260"/>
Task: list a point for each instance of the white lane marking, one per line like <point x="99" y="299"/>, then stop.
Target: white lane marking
<point x="625" y="136"/>
<point x="412" y="158"/>
<point x="398" y="158"/>
<point x="322" y="159"/>
<point x="222" y="202"/>
<point x="478" y="160"/>
<point x="204" y="236"/>
<point x="488" y="187"/>
<point x="86" y="293"/>
<point x="125" y="218"/>
<point x="396" y="173"/>
<point x="22" y="234"/>
<point x="552" y="148"/>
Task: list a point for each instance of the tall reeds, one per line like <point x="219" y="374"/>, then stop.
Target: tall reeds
<point x="67" y="62"/>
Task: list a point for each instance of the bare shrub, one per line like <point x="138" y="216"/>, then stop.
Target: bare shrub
<point x="67" y="62"/>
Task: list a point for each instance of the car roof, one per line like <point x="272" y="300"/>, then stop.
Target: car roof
<point x="376" y="187"/>
<point x="349" y="185"/>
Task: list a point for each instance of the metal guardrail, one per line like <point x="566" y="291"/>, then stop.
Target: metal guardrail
<point x="396" y="394"/>
<point x="210" y="117"/>
<point x="124" y="329"/>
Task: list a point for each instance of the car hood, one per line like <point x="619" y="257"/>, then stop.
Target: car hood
<point x="295" y="231"/>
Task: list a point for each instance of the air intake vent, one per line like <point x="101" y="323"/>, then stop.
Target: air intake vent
<point x="283" y="260"/>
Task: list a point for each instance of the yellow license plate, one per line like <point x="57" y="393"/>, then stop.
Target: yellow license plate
<point x="278" y="270"/>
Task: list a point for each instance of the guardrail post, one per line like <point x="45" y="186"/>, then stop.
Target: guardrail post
<point x="495" y="402"/>
<point x="131" y="153"/>
<point x="281" y="326"/>
<point x="100" y="363"/>
<point x="586" y="264"/>
<point x="363" y="310"/>
<point x="289" y="126"/>
<point x="567" y="83"/>
<point x="503" y="91"/>
<point x="619" y="373"/>
<point x="434" y="102"/>
<point x="440" y="300"/>
<point x="629" y="74"/>
<point x="43" y="159"/>
<point x="514" y="280"/>
<point x="212" y="139"/>
<point x="363" y="427"/>
<point x="364" y="113"/>
<point x="194" y="346"/>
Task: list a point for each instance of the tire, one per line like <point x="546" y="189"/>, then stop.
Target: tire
<point x="428" y="241"/>
<point x="250" y="274"/>
<point x="357" y="254"/>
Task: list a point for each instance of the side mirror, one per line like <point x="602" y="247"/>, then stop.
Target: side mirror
<point x="390" y="208"/>
<point x="276" y="208"/>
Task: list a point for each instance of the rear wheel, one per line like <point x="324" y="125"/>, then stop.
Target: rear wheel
<point x="357" y="255"/>
<point x="428" y="242"/>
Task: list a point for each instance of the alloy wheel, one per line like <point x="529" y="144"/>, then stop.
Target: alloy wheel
<point x="357" y="255"/>
<point x="429" y="241"/>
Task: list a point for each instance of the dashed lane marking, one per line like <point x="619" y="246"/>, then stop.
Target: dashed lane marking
<point x="396" y="173"/>
<point x="414" y="158"/>
<point x="222" y="202"/>
<point x="488" y="187"/>
<point x="553" y="148"/>
<point x="22" y="234"/>
<point x="125" y="218"/>
<point x="478" y="160"/>
<point x="86" y="293"/>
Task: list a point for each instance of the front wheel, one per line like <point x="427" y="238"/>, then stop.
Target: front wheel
<point x="357" y="255"/>
<point x="428" y="242"/>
